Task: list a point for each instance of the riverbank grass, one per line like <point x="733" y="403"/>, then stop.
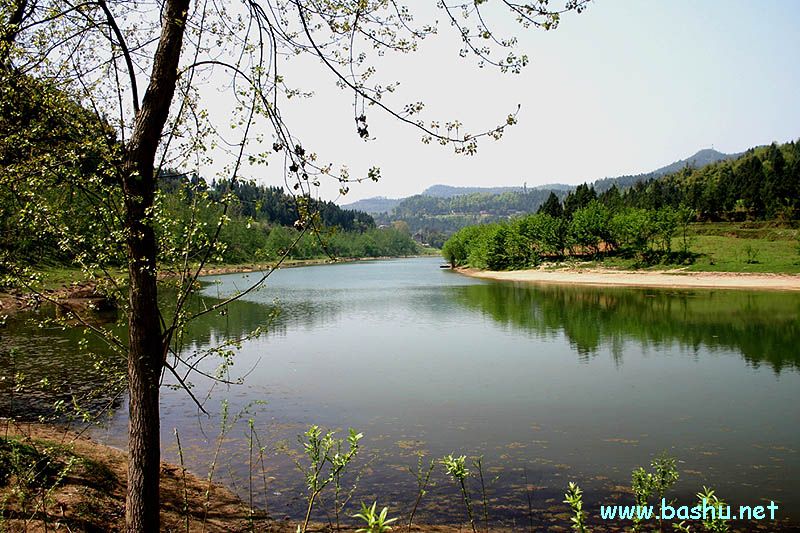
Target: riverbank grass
<point x="723" y="247"/>
<point x="720" y="253"/>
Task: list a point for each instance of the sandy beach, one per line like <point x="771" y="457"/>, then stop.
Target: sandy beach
<point x="668" y="278"/>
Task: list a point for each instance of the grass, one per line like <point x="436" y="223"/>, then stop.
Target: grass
<point x="756" y="247"/>
<point x="57" y="480"/>
<point x="430" y="251"/>
<point x="43" y="459"/>
<point x="736" y="254"/>
<point x="56" y="277"/>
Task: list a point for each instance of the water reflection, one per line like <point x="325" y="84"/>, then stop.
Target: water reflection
<point x="44" y="363"/>
<point x="763" y="327"/>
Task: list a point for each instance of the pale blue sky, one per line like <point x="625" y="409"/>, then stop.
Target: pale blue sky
<point x="625" y="87"/>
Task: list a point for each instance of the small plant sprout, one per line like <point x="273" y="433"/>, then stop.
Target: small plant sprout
<point x="326" y="462"/>
<point x="185" y="508"/>
<point x="682" y="527"/>
<point x="529" y="499"/>
<point x="455" y="468"/>
<point x="376" y="522"/>
<point x="646" y="485"/>
<point x="478" y="464"/>
<point x="574" y="498"/>
<point x="751" y="255"/>
<point x="423" y="475"/>
<point x="713" y="522"/>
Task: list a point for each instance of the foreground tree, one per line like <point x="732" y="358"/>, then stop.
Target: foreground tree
<point x="99" y="52"/>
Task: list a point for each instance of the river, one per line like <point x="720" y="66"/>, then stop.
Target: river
<point x="550" y="384"/>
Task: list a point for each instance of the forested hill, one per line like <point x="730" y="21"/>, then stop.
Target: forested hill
<point x="701" y="159"/>
<point x="265" y="222"/>
<point x="381" y="204"/>
<point x="443" y="209"/>
<point x="270" y="204"/>
<point x="433" y="219"/>
<point x="60" y="198"/>
<point x="449" y="191"/>
<point x="374" y="205"/>
<point x="761" y="184"/>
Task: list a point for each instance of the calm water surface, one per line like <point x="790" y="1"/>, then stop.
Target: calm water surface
<point x="553" y="383"/>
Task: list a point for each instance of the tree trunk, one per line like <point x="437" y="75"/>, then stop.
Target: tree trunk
<point x="146" y="350"/>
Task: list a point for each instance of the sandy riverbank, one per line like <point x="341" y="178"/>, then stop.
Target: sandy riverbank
<point x="667" y="278"/>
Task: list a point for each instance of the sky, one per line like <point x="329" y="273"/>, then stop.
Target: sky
<point x="625" y="87"/>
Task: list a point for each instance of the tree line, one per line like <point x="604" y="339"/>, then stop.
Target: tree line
<point x="274" y="205"/>
<point x="641" y="221"/>
<point x="759" y="184"/>
<point x="592" y="230"/>
<point x="265" y="223"/>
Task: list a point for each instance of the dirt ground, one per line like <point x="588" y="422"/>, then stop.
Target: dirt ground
<point x="91" y="495"/>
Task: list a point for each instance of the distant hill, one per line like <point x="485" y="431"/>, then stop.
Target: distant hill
<point x="432" y="219"/>
<point x="374" y="205"/>
<point x="381" y="204"/>
<point x="701" y="159"/>
<point x="449" y="191"/>
<point x="442" y="209"/>
<point x="762" y="183"/>
<point x="554" y="187"/>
